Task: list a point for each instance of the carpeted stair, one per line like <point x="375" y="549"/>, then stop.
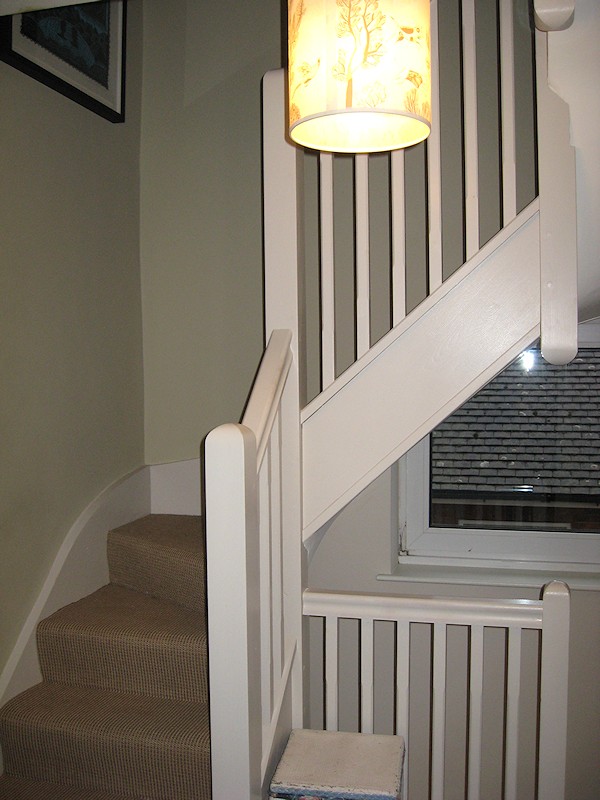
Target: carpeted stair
<point x="122" y="711"/>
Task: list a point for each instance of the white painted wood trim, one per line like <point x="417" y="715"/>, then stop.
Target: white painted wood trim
<point x="282" y="214"/>
<point x="434" y="159"/>
<point x="470" y="129"/>
<point x="21" y="6"/>
<point x="438" y="711"/>
<point x="268" y="388"/>
<point x="327" y="270"/>
<point x="553" y="15"/>
<point x="284" y="310"/>
<point x="79" y="568"/>
<point x="264" y="528"/>
<point x="362" y="256"/>
<point x="430" y="610"/>
<point x="513" y="696"/>
<point x="269" y="760"/>
<point x="398" y="222"/>
<point x="529" y="214"/>
<point x="475" y="713"/>
<point x="233" y="610"/>
<point x="366" y="675"/>
<point x="554" y="678"/>
<point x="558" y="218"/>
<point x="507" y="95"/>
<point x="331" y="672"/>
<point x="550" y="614"/>
<point x="426" y="376"/>
<point x="403" y="692"/>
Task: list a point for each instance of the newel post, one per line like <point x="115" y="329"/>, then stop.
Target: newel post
<point x="554" y="677"/>
<point x="232" y="550"/>
<point x="558" y="217"/>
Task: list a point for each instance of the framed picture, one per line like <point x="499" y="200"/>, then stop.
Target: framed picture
<point x="77" y="50"/>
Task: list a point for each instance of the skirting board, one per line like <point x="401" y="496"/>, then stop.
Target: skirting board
<point x="80" y="567"/>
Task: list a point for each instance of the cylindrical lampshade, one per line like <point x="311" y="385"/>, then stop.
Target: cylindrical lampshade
<point x="359" y="74"/>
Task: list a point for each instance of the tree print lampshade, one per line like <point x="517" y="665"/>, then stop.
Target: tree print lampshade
<point x="359" y="74"/>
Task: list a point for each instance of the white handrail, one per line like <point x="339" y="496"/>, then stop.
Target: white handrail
<point x="449" y="610"/>
<point x="267" y="390"/>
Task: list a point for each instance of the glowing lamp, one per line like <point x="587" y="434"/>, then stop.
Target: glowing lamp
<point x="359" y="74"/>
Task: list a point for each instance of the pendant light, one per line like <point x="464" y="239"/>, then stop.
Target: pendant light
<point x="359" y="74"/>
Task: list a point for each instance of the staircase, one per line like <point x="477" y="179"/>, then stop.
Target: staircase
<point x="122" y="710"/>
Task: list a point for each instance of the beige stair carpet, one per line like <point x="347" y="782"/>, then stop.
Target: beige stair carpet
<point x="122" y="711"/>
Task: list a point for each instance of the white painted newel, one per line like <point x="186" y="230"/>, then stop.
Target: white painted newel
<point x="558" y="218"/>
<point x="233" y="611"/>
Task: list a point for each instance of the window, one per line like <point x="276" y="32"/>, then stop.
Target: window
<point x="513" y="477"/>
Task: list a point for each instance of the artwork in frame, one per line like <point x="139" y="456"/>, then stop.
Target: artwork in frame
<point x="77" y="50"/>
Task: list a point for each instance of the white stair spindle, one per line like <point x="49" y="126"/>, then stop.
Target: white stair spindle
<point x="402" y="691"/>
<point x="331" y="673"/>
<point x="434" y="166"/>
<point x="438" y="711"/>
<point x="366" y="675"/>
<point x="475" y="712"/>
<point x="327" y="270"/>
<point x="266" y="643"/>
<point x="398" y="237"/>
<point x="507" y="93"/>
<point x="470" y="129"/>
<point x="363" y="315"/>
<point x="276" y="551"/>
<point x="513" y="694"/>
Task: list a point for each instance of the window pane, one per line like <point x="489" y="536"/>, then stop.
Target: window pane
<point x="524" y="453"/>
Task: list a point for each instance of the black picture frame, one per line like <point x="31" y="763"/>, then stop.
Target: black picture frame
<point x="76" y="50"/>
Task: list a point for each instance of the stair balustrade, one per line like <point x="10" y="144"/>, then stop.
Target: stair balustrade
<point x="421" y="274"/>
<point x="253" y="580"/>
<point x="463" y="724"/>
<point x="395" y="287"/>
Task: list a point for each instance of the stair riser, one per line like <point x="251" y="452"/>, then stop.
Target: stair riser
<point x="152" y="770"/>
<point x="164" y="576"/>
<point x="153" y="668"/>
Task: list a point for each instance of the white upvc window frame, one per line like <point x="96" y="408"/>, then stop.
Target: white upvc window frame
<point x="421" y="544"/>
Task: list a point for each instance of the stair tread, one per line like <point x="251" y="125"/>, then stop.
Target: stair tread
<point x="116" y="611"/>
<point x="12" y="788"/>
<point x="108" y="741"/>
<point x="104" y="714"/>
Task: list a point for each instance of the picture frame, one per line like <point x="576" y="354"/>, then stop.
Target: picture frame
<point x="76" y="50"/>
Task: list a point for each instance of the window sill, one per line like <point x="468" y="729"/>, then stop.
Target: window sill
<point x="491" y="576"/>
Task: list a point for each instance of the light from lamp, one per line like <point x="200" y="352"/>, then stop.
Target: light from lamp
<point x="359" y="74"/>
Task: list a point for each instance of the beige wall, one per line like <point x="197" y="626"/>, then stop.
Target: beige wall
<point x="360" y="544"/>
<point x="201" y="213"/>
<point x="71" y="405"/>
